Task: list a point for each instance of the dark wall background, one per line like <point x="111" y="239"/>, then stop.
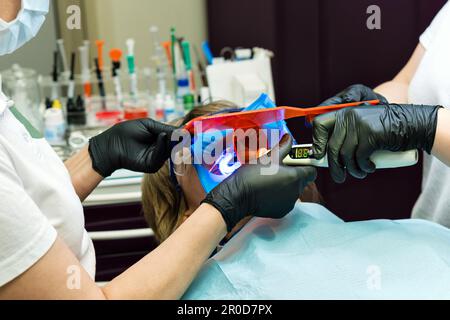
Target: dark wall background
<point x="321" y="47"/>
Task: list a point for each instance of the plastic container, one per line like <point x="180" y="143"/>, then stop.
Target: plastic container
<point x="76" y="112"/>
<point x="188" y="102"/>
<point x="55" y="126"/>
<point x="182" y="91"/>
<point x="108" y="117"/>
<point x="103" y="112"/>
<point x="169" y="109"/>
<point x="159" y="108"/>
<point x="134" y="113"/>
<point x="22" y="86"/>
<point x="136" y="107"/>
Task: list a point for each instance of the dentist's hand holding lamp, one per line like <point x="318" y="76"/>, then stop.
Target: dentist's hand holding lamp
<point x="42" y="235"/>
<point x="349" y="137"/>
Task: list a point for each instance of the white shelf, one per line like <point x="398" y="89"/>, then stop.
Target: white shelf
<point x="120" y="234"/>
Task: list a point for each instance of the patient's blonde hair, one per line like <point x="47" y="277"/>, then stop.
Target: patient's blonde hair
<point x="164" y="205"/>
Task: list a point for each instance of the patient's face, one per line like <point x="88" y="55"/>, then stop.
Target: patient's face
<point x="194" y="194"/>
<point x="190" y="184"/>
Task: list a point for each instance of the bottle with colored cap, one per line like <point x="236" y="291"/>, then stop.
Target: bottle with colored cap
<point x="169" y="109"/>
<point x="55" y="124"/>
<point x="182" y="91"/>
<point x="159" y="108"/>
<point x="188" y="102"/>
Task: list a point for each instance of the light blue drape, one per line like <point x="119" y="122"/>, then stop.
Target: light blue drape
<point x="312" y="254"/>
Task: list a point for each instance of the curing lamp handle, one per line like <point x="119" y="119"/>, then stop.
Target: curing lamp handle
<point x="301" y="156"/>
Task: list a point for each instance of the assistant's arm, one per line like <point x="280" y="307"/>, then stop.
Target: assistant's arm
<point x="393" y="91"/>
<point x="441" y="147"/>
<point x="350" y="136"/>
<point x="396" y="90"/>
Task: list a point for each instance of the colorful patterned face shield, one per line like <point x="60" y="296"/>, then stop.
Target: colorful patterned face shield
<point x="217" y="154"/>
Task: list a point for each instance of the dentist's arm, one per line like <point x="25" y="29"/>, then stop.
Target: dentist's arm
<point x="351" y="153"/>
<point x="84" y="178"/>
<point x="141" y="145"/>
<point x="441" y="147"/>
<point x="9" y="9"/>
<point x="164" y="273"/>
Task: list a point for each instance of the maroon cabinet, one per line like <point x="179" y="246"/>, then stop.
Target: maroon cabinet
<point x="115" y="256"/>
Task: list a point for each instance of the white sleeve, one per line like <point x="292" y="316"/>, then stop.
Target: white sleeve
<point x="25" y="233"/>
<point x="427" y="38"/>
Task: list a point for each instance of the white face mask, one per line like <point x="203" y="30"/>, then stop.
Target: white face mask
<point x="30" y="19"/>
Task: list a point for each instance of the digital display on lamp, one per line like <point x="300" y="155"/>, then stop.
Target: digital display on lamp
<point x="301" y="152"/>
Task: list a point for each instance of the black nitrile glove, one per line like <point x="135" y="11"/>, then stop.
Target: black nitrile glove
<point x="249" y="193"/>
<point x="355" y="93"/>
<point x="351" y="135"/>
<point x="140" y="145"/>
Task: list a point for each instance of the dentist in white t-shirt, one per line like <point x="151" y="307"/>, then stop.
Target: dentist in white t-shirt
<point x="414" y="113"/>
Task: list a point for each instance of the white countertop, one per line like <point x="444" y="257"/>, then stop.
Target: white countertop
<point x="122" y="187"/>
